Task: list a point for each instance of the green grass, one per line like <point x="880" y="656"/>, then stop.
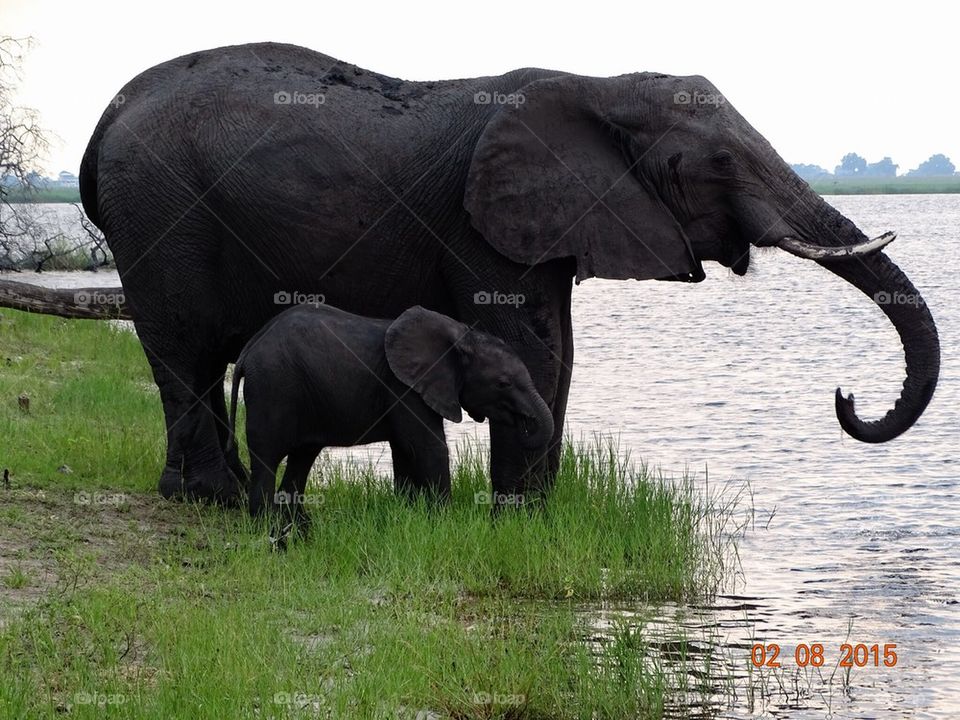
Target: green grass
<point x="886" y="186"/>
<point x="16" y="579"/>
<point x="43" y="195"/>
<point x="115" y="603"/>
<point x="93" y="405"/>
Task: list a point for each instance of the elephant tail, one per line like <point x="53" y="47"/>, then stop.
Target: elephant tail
<point x="234" y="395"/>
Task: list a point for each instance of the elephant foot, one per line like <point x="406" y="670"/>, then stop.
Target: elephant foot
<point x="293" y="517"/>
<point x="527" y="502"/>
<point x="171" y="484"/>
<point x="284" y="529"/>
<point x="534" y="501"/>
<point x="280" y="534"/>
<point x="220" y="486"/>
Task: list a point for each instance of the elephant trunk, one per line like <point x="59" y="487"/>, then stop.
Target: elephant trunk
<point x="879" y="278"/>
<point x="536" y="423"/>
<point x="835" y="243"/>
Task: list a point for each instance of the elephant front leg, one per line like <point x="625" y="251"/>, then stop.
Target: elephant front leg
<point x="516" y="473"/>
<point x="421" y="460"/>
<point x="546" y="478"/>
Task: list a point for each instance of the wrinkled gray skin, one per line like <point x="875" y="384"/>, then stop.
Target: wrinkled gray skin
<point x="214" y="194"/>
<point x="318" y="377"/>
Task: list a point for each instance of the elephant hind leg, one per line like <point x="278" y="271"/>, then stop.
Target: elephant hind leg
<point x="293" y="487"/>
<point x="195" y="467"/>
<point x="218" y="405"/>
<point x="263" y="479"/>
<point x="179" y="317"/>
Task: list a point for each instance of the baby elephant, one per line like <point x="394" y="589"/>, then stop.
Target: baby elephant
<point x="319" y="376"/>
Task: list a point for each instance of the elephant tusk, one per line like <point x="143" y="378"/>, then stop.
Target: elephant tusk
<point x="810" y="251"/>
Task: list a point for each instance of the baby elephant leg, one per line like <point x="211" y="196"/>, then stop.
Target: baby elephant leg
<point x="293" y="487"/>
<point x="422" y="470"/>
<point x="404" y="470"/>
<point x="263" y="482"/>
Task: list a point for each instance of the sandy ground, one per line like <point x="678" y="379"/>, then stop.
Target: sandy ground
<point x="55" y="540"/>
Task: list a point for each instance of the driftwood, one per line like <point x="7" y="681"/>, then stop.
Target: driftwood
<point x="101" y="303"/>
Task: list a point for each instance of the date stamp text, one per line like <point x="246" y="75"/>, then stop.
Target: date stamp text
<point x="770" y="655"/>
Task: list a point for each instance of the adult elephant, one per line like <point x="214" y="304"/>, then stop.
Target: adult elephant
<point x="228" y="181"/>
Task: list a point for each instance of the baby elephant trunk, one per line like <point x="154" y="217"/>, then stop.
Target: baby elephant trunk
<point x="535" y="423"/>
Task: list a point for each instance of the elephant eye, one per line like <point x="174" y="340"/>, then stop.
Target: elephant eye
<point x="722" y="156"/>
<point x="502" y="383"/>
<point x="722" y="159"/>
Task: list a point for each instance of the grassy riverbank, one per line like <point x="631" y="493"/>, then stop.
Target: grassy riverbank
<point x="114" y="603"/>
<point x="886" y="186"/>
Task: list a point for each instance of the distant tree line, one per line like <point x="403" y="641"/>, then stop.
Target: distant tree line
<point x="855" y="166"/>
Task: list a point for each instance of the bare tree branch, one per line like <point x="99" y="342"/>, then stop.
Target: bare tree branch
<point x="30" y="235"/>
<point x="99" y="253"/>
<point x="22" y="141"/>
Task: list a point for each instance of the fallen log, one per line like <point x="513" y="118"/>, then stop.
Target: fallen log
<point x="100" y="303"/>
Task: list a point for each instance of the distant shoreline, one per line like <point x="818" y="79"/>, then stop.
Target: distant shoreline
<point x="886" y="186"/>
<point x="829" y="186"/>
<point x="49" y="195"/>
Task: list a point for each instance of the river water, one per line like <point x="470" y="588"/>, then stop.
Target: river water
<point x="734" y="377"/>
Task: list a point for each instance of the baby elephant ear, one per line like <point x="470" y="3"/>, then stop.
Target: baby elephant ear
<point x="421" y="348"/>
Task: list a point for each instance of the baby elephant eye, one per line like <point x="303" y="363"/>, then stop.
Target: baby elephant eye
<point x="503" y="384"/>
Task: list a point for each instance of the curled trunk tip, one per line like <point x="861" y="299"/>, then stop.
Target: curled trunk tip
<point x="881" y="280"/>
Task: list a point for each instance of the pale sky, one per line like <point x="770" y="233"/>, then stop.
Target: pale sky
<point x="818" y="81"/>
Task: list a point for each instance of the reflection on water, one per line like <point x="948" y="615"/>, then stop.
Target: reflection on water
<point x="852" y="541"/>
<point x="737" y="375"/>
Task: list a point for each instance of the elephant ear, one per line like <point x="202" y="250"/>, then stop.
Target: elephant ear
<point x="550" y="178"/>
<point x="421" y="348"/>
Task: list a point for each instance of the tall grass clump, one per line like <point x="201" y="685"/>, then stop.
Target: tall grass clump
<point x="609" y="530"/>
